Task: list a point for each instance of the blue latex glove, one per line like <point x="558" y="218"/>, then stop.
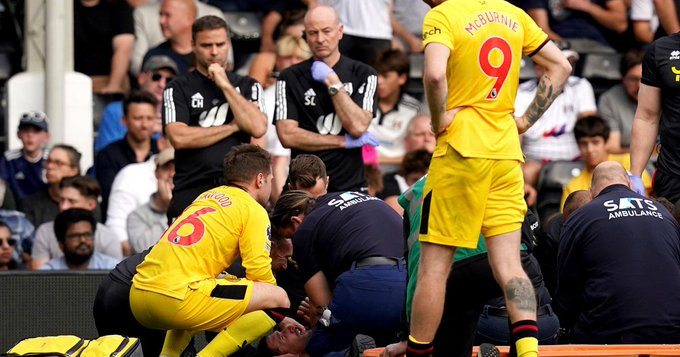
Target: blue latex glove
<point x="638" y="186"/>
<point x="320" y="71"/>
<point x="365" y="139"/>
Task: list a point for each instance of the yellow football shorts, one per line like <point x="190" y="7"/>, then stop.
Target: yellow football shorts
<point x="209" y="305"/>
<point x="466" y="196"/>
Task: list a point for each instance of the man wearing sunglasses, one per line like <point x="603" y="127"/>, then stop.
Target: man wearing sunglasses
<point x="157" y="72"/>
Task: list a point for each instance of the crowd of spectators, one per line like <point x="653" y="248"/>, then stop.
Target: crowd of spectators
<point x="342" y="114"/>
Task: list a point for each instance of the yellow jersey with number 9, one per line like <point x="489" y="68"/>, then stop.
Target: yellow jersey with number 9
<point x="487" y="39"/>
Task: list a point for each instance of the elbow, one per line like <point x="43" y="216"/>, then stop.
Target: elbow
<point x="285" y="140"/>
<point x="621" y="26"/>
<point x="357" y="130"/>
<point x="434" y="79"/>
<point x="177" y="143"/>
<point x="259" y="131"/>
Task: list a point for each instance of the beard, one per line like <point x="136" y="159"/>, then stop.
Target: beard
<point x="76" y="258"/>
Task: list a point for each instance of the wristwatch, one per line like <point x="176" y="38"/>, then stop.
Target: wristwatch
<point x="334" y="89"/>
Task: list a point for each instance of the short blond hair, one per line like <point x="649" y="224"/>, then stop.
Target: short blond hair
<point x="291" y="46"/>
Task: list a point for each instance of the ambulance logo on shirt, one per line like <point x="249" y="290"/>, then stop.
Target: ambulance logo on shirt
<point x="197" y="100"/>
<point x="675" y="55"/>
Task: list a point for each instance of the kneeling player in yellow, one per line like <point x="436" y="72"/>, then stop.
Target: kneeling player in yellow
<point x="176" y="286"/>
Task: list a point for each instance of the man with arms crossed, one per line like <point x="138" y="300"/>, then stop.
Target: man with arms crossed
<point x="206" y="112"/>
<point x="325" y="104"/>
<point x="475" y="180"/>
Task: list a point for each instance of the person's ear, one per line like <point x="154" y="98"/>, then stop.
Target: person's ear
<point x="91" y="204"/>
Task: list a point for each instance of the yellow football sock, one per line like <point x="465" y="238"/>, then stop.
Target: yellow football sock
<point x="243" y="331"/>
<point x="175" y="342"/>
<point x="527" y="347"/>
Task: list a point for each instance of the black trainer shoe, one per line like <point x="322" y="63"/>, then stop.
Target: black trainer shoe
<point x="361" y="343"/>
<point x="488" y="350"/>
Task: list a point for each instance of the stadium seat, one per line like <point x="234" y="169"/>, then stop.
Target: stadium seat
<point x="415" y="83"/>
<point x="243" y="25"/>
<point x="526" y="70"/>
<point x="553" y="178"/>
<point x="602" y="65"/>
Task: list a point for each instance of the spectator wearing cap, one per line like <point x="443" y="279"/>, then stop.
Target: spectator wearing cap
<point x="157" y="72"/>
<point x="146" y="224"/>
<point x="22" y="169"/>
<point x="176" y="18"/>
<point x="139" y="113"/>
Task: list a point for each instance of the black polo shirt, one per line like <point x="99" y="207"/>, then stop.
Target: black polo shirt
<point x="619" y="271"/>
<point x="661" y="69"/>
<point x="299" y="97"/>
<point x="195" y="100"/>
<point x="345" y="227"/>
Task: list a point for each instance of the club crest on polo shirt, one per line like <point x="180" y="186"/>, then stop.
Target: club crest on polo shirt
<point x="197" y="100"/>
<point x="674" y="55"/>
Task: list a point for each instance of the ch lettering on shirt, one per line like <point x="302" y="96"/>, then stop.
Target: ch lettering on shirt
<point x="631" y="207"/>
<point x="489" y="17"/>
<point x="349" y="199"/>
<point x="219" y="197"/>
<point x="197" y="101"/>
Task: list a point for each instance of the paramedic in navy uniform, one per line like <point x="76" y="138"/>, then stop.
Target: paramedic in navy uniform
<point x="207" y="112"/>
<point x="619" y="267"/>
<point x="349" y="247"/>
<point x="325" y="104"/>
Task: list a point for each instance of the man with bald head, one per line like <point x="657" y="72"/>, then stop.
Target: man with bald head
<point x="618" y="266"/>
<point x="325" y="104"/>
<point x="176" y="18"/>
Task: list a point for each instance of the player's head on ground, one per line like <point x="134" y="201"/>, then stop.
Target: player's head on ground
<point x="591" y="134"/>
<point x="249" y="166"/>
<point x="289" y="340"/>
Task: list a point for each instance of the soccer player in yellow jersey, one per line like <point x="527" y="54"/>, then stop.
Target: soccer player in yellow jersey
<point x="176" y="286"/>
<point x="473" y="50"/>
